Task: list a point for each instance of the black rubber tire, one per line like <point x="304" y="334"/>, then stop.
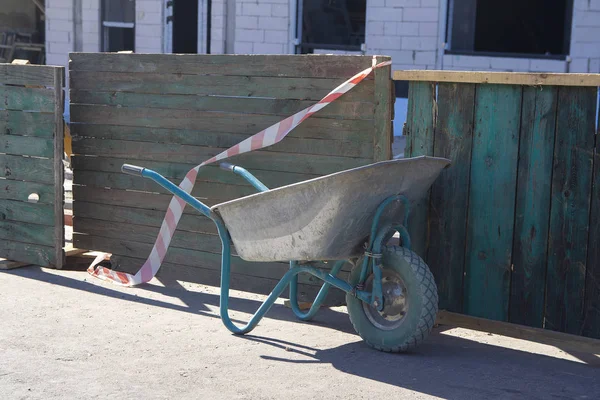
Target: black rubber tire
<point x="422" y="297"/>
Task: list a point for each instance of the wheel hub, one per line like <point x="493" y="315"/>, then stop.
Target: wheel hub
<point x="395" y="301"/>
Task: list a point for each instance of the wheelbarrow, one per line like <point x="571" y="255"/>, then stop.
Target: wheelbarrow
<point x="345" y="217"/>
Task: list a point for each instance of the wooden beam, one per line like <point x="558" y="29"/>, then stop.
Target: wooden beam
<point x="512" y="78"/>
<point x="563" y="341"/>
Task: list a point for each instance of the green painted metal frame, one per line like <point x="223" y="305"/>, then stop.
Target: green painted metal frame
<point x="370" y="262"/>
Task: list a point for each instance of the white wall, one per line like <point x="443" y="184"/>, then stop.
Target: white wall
<point x="149" y="18"/>
<point x="585" y="37"/>
<point x="59" y="31"/>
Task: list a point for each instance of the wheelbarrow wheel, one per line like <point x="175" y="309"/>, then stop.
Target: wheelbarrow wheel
<point x="410" y="303"/>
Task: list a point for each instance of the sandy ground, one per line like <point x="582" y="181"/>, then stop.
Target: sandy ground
<point x="66" y="335"/>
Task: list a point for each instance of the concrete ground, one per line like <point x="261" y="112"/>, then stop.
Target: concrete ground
<point x="67" y="335"/>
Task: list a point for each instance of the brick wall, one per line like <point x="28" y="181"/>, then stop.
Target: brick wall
<point x="149" y="26"/>
<point x="90" y="25"/>
<point x="59" y="31"/>
<point x="406" y="30"/>
<point x="585" y="36"/>
<point x="262" y="27"/>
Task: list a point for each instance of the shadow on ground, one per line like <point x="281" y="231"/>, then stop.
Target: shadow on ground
<point x="446" y="366"/>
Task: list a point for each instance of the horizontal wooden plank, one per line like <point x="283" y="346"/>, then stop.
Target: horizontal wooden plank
<point x="177" y="171"/>
<point x="243" y="86"/>
<point x="34" y="75"/>
<point x="27" y="169"/>
<point x="214" y="191"/>
<point x="19" y="190"/>
<point x="563" y="341"/>
<point x="203" y="121"/>
<point x="342" y="108"/>
<point x="147" y="234"/>
<point x="34" y="213"/>
<point x="195" y="154"/>
<point x="28" y="253"/>
<point x="508" y="78"/>
<point x="27" y="233"/>
<point x="310" y="66"/>
<point x="310" y="129"/>
<point x="26" y="145"/>
<point x="30" y="99"/>
<point x="187" y="257"/>
<point x="192" y="221"/>
<point x="27" y="123"/>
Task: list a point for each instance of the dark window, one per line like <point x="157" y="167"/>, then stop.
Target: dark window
<point x="518" y="27"/>
<point x="331" y="24"/>
<point x="118" y="25"/>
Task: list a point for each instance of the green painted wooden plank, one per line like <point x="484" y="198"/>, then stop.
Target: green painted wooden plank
<point x="144" y="151"/>
<point x="570" y="209"/>
<point x="384" y="100"/>
<point x="27" y="233"/>
<point x="34" y="75"/>
<point x="342" y="108"/>
<point x="192" y="258"/>
<point x="198" y="120"/>
<point x="27" y="169"/>
<point x="34" y="213"/>
<point x="492" y="200"/>
<point x="420" y="124"/>
<point x="59" y="168"/>
<point x="536" y="151"/>
<point x="27" y="146"/>
<point x="177" y="171"/>
<point x="28" y="253"/>
<point x="205" y="85"/>
<point x="311" y="66"/>
<point x="23" y="98"/>
<point x="192" y="221"/>
<point x="27" y="123"/>
<point x="309" y="129"/>
<point x="591" y="322"/>
<point x="449" y="193"/>
<point x="19" y="190"/>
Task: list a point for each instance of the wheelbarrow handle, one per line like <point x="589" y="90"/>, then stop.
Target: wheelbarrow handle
<point x="227" y="167"/>
<point x="132" y="170"/>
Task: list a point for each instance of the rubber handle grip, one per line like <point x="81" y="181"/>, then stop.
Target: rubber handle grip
<point x="132" y="169"/>
<point x="227" y="166"/>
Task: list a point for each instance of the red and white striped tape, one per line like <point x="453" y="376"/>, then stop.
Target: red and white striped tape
<point x="262" y="139"/>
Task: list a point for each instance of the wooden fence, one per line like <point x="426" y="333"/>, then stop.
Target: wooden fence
<point x="512" y="230"/>
<point x="31" y="154"/>
<point x="171" y="112"/>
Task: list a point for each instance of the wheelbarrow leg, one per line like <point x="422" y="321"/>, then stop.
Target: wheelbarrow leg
<point x="320" y="296"/>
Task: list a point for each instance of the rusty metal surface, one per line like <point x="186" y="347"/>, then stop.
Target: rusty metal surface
<point x="327" y="218"/>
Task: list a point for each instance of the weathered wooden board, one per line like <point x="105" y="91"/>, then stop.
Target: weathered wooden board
<point x="449" y="194"/>
<point x="384" y="106"/>
<point x="205" y="85"/>
<point x="27" y="99"/>
<point x="26" y="123"/>
<point x="40" y="170"/>
<point x="26" y="146"/>
<point x="32" y="213"/>
<point x="536" y="151"/>
<point x="345" y="108"/>
<point x="570" y="208"/>
<point x="420" y="125"/>
<point x="31" y="177"/>
<point x="308" y="66"/>
<point x="591" y="322"/>
<point x="492" y="200"/>
<point x="19" y="190"/>
<point x="31" y="75"/>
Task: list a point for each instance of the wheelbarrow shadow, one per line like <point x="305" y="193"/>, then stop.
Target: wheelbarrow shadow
<point x="195" y="302"/>
<point x="453" y="367"/>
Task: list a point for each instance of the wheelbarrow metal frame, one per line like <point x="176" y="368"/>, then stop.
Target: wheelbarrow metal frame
<point x="370" y="262"/>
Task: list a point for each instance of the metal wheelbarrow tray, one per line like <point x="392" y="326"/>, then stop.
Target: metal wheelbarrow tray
<point x="326" y="218"/>
<point x="347" y="216"/>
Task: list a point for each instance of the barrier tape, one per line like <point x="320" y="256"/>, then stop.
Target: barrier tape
<point x="262" y="139"/>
